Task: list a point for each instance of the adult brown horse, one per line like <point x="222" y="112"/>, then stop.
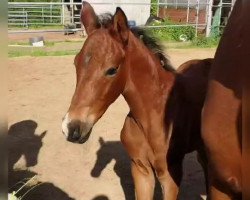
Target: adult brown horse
<point x="221" y="118"/>
<point x="165" y="106"/>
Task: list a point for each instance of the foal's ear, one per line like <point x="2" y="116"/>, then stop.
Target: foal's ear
<point x="120" y="25"/>
<point x="88" y="18"/>
<point x="101" y="141"/>
<point x="43" y="135"/>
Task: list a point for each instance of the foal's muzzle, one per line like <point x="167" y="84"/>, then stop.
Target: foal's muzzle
<point x="76" y="131"/>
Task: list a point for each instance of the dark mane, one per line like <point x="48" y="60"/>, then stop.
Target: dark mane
<point x="154" y="45"/>
<point x="149" y="41"/>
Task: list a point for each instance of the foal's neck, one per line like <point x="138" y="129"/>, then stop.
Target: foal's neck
<point x="148" y="85"/>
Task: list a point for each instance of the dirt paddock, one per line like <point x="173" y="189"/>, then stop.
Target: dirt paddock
<point x="40" y="91"/>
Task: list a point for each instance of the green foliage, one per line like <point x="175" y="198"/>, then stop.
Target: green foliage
<point x="153" y="9"/>
<point x="34" y="0"/>
<point x="172" y="33"/>
<point x="175" y="33"/>
<point x="205" y="42"/>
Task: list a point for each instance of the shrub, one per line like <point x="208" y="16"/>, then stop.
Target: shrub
<point x="202" y="41"/>
<point x="153" y="8"/>
<point x="174" y="32"/>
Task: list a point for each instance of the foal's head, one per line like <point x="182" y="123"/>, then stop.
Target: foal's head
<point x="102" y="68"/>
<point x="99" y="74"/>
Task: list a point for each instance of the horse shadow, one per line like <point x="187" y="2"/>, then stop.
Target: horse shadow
<point x="114" y="150"/>
<point x="110" y="150"/>
<point x="101" y="197"/>
<point x="23" y="142"/>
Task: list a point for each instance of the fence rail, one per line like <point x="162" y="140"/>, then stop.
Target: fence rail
<point x="40" y="14"/>
<point x="28" y="14"/>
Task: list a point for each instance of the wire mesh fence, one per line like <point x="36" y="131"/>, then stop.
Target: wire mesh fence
<point x="197" y="14"/>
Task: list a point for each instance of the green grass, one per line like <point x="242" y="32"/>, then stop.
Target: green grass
<point x="76" y="41"/>
<point x="185" y="45"/>
<point x="47" y="43"/>
<point x="39" y="53"/>
<point x="205" y="42"/>
<point x="37" y="27"/>
<point x="54" y="48"/>
<point x="34" y="0"/>
<point x="42" y="27"/>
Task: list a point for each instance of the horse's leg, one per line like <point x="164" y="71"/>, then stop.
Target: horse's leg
<point x="144" y="181"/>
<point x="137" y="147"/>
<point x="218" y="190"/>
<point x="167" y="165"/>
<point x="169" y="176"/>
<point x="169" y="187"/>
<point x="202" y="159"/>
<point x="215" y="194"/>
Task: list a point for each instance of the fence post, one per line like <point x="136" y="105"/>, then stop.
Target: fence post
<point x="221" y="5"/>
<point x="113" y="4"/>
<point x="43" y="15"/>
<point x="50" y="13"/>
<point x="232" y="5"/>
<point x="62" y="14"/>
<point x="197" y="17"/>
<point x="209" y="17"/>
<point x="27" y="25"/>
<point x="188" y="11"/>
<point x="158" y="9"/>
<point x="72" y="11"/>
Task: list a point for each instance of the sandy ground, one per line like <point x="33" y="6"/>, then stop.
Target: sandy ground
<point x="40" y="90"/>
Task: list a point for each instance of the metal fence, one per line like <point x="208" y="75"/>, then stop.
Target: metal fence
<point x="196" y="13"/>
<point x="26" y="15"/>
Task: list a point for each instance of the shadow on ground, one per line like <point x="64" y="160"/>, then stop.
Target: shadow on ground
<point x="101" y="197"/>
<point x="114" y="150"/>
<point x="192" y="185"/>
<point x="23" y="142"/>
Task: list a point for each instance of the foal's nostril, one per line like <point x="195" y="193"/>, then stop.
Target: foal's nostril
<point x="77" y="131"/>
<point x="74" y="131"/>
<point x="76" y="135"/>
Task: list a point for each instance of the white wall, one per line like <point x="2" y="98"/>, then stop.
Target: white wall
<point x="138" y="13"/>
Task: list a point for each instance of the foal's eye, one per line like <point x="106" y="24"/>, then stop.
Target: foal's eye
<point x="111" y="71"/>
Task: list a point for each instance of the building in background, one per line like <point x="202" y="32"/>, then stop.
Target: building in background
<point x="138" y="12"/>
<point x="192" y="11"/>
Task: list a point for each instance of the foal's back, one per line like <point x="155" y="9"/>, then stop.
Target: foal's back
<point x="190" y="90"/>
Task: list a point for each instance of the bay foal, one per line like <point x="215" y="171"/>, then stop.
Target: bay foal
<point x="165" y="106"/>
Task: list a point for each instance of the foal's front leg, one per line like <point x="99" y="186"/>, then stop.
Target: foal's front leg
<point x="144" y="181"/>
<point x="137" y="147"/>
<point x="167" y="179"/>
